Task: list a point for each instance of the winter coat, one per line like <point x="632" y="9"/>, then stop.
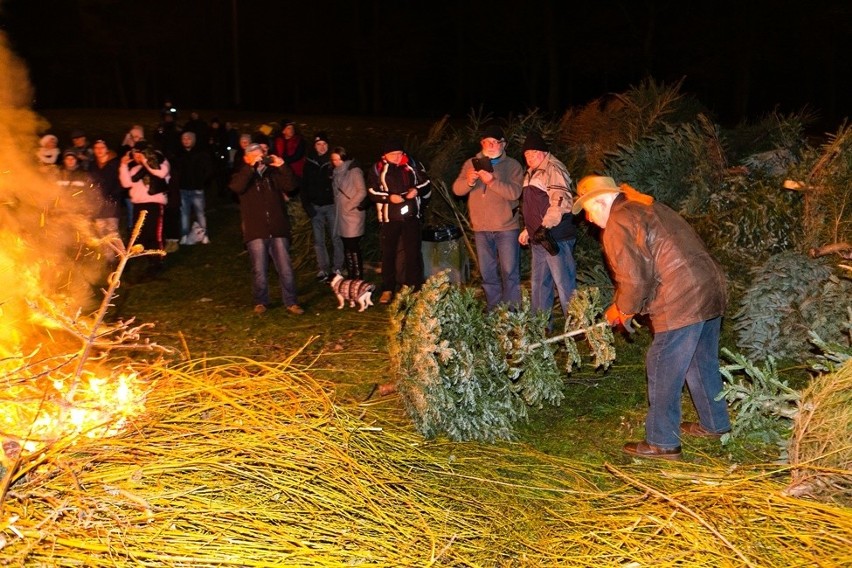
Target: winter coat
<point x="292" y="151"/>
<point x="146" y="184"/>
<point x="661" y="267"/>
<point x="193" y="169"/>
<point x="316" y="183"/>
<point x="109" y="193"/>
<point x="349" y="192"/>
<point x="385" y="179"/>
<point x="75" y="181"/>
<point x="551" y="173"/>
<point x="263" y="209"/>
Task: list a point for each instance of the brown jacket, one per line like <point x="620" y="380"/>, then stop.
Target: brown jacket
<point x="660" y="266"/>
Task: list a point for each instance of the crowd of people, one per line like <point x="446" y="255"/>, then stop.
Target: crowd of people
<point x="661" y="269"/>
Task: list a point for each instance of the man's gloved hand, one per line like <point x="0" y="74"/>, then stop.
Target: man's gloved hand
<point x="616" y="317"/>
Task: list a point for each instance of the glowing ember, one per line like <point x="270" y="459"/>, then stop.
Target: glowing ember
<point x="40" y="410"/>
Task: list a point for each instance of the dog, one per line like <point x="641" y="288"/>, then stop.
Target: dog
<point x="352" y="291"/>
<point x="197" y="234"/>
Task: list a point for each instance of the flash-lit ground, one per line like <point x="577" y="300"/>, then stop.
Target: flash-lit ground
<point x="238" y="462"/>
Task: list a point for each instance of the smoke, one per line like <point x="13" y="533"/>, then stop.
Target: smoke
<point x="47" y="253"/>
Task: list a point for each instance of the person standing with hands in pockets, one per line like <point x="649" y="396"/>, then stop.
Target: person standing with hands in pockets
<point x="492" y="182"/>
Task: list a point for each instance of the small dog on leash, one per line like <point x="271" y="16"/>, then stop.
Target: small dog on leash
<point x="352" y="291"/>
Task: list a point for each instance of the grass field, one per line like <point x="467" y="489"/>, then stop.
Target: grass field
<point x="263" y="443"/>
<point x="202" y="305"/>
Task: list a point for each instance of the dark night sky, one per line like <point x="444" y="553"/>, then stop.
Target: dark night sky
<point x="741" y="59"/>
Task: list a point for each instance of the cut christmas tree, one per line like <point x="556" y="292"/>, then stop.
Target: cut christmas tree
<point x="471" y="374"/>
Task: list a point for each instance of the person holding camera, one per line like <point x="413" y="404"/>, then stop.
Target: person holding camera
<point x="491" y="180"/>
<point x="261" y="185"/>
<point x="146" y="173"/>
<point x="549" y="227"/>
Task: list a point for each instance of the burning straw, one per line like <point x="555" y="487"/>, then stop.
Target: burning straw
<point x="245" y="463"/>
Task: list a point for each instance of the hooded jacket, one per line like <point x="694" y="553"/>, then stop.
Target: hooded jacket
<point x="661" y="267"/>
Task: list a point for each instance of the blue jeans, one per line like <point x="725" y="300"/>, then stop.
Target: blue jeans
<point x="260" y="250"/>
<point x="321" y="223"/>
<point x="552" y="270"/>
<point x="499" y="257"/>
<point x="191" y="200"/>
<point x="691" y="355"/>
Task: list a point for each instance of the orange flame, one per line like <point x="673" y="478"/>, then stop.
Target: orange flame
<point x="46" y="395"/>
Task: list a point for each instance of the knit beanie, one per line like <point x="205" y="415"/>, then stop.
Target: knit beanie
<point x="534" y="141"/>
<point x="392" y="145"/>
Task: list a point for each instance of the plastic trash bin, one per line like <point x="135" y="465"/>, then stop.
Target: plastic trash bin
<point x="443" y="249"/>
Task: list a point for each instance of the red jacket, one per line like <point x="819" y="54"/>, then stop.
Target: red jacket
<point x="292" y="151"/>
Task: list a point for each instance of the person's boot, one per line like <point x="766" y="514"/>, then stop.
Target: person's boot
<point x="358" y="263"/>
<point x="349" y="264"/>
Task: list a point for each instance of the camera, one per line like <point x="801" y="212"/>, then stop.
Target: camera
<point x="265" y="160"/>
<point x="544" y="238"/>
<point x="482" y="164"/>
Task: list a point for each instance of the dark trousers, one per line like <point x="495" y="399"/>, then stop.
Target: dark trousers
<point x="151" y="234"/>
<point x="351" y="244"/>
<point x="404" y="234"/>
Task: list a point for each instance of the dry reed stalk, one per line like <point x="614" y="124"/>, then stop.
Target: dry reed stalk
<point x="239" y="462"/>
<point x="820" y="446"/>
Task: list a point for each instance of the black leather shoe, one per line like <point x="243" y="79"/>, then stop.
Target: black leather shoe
<point x="696" y="429"/>
<point x="645" y="450"/>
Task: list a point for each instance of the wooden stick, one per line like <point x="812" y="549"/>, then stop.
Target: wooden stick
<point x="556" y="338"/>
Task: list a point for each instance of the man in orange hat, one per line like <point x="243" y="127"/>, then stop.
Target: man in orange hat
<point x="662" y="270"/>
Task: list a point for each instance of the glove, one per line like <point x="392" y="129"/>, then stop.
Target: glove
<point x="616" y="317"/>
